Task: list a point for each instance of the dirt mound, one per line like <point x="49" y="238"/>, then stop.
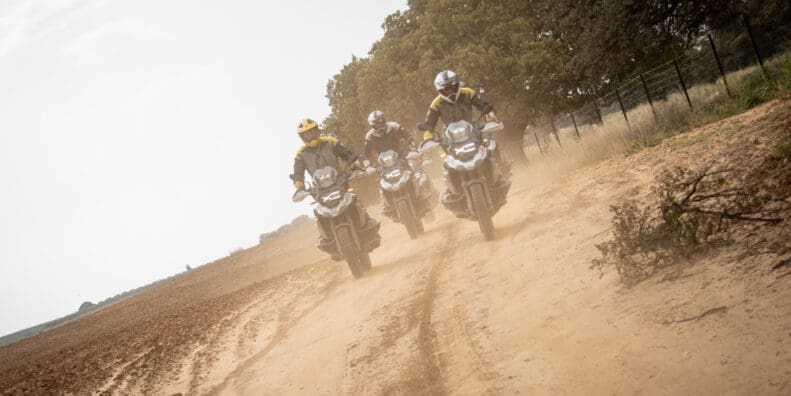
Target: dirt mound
<point x="451" y="313"/>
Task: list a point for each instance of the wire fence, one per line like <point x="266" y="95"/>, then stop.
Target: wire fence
<point x="704" y="72"/>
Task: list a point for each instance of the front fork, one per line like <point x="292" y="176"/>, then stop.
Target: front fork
<point x="354" y="217"/>
<point x="467" y="182"/>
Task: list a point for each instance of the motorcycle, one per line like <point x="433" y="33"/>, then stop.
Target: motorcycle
<point x="339" y="213"/>
<point x="407" y="189"/>
<point x="469" y="166"/>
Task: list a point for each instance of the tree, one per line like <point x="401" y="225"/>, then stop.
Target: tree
<point x="534" y="57"/>
<point x="87" y="306"/>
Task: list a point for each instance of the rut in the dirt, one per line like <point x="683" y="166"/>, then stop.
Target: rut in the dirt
<point x="423" y="374"/>
<point x="286" y="320"/>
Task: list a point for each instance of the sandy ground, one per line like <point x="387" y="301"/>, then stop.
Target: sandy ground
<point x="449" y="313"/>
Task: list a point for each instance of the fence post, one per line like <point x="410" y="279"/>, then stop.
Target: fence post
<point x="574" y="121"/>
<point x="719" y="66"/>
<point x="538" y="143"/>
<point x="648" y="95"/>
<point x="683" y="86"/>
<point x="555" y="131"/>
<point x="620" y="103"/>
<point x="755" y="46"/>
<point x="598" y="112"/>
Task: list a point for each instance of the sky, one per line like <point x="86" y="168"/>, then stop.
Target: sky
<point x="141" y="136"/>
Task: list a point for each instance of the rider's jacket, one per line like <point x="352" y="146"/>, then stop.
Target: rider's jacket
<point x="326" y="153"/>
<point x="395" y="138"/>
<point x="452" y="112"/>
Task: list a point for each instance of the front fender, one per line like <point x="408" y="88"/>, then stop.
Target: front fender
<point x="470" y="164"/>
<point x="395" y="186"/>
<point x="337" y="210"/>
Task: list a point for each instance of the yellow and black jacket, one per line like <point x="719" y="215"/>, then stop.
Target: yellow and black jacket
<point x="326" y="153"/>
<point x="452" y="112"/>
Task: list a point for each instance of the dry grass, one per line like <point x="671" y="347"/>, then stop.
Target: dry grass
<point x="730" y="184"/>
<point x="645" y="129"/>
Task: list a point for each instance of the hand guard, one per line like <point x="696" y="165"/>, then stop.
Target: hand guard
<point x="356" y="166"/>
<point x="490" y="117"/>
<point x="299" y="195"/>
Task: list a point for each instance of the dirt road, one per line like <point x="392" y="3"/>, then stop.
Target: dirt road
<point x="448" y="313"/>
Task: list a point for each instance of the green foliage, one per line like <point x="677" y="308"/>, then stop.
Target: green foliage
<point x="754" y="90"/>
<point x="494" y="45"/>
<point x="564" y="52"/>
<point x="783" y="76"/>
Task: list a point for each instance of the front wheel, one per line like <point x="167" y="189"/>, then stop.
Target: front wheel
<point x="407" y="218"/>
<point x="482" y="211"/>
<point x="350" y="252"/>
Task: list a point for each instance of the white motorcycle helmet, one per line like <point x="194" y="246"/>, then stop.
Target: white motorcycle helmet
<point x="377" y="121"/>
<point x="447" y="84"/>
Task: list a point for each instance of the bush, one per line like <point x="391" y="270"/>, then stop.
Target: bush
<point x="696" y="210"/>
<point x="754" y="90"/>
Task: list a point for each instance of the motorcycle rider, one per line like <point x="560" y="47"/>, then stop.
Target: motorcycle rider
<point x="317" y="152"/>
<point x="386" y="135"/>
<point x="454" y="102"/>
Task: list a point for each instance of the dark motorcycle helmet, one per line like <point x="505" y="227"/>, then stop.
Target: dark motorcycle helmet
<point x="377" y="121"/>
<point x="309" y="132"/>
<point x="447" y="84"/>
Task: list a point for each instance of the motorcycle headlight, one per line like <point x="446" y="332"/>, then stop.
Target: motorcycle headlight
<point x="388" y="158"/>
<point x="459" y="132"/>
<point x="331" y="197"/>
<point x="393" y="175"/>
<point x="465" y="150"/>
<point x="325" y="177"/>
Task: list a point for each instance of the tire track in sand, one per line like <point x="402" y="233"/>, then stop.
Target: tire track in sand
<point x="426" y="336"/>
<point x="285" y="323"/>
<point x="423" y="375"/>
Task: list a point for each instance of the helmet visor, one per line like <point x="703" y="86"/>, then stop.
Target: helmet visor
<point x="449" y="89"/>
<point x="379" y="125"/>
<point x="309" y="135"/>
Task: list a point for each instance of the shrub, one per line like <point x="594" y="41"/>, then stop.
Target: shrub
<point x="696" y="210"/>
